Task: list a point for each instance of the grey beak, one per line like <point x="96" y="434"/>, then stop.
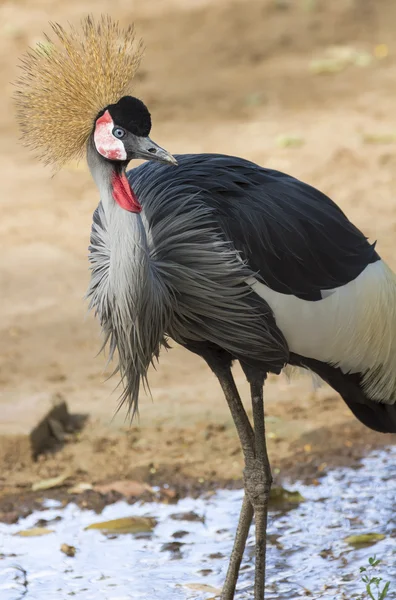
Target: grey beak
<point x="149" y="150"/>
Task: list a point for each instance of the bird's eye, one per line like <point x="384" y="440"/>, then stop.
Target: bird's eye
<point x="118" y="132"/>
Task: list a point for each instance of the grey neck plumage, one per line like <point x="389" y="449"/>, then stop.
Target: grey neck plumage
<point x="123" y="291"/>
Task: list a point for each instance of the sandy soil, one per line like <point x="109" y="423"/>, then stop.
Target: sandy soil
<point x="221" y="76"/>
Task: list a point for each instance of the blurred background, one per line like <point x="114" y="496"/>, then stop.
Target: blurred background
<point x="303" y="86"/>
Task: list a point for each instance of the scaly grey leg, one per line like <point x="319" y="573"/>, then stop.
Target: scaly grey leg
<point x="258" y="480"/>
<point x="246" y="437"/>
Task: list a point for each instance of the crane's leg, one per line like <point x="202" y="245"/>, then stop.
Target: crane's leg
<point x="258" y="480"/>
<point x="246" y="437"/>
<point x="257" y="474"/>
<point x="245" y="520"/>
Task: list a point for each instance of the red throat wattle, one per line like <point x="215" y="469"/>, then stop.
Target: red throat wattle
<point x="123" y="193"/>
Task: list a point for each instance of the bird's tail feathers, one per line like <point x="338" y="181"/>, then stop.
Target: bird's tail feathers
<point x="379" y="416"/>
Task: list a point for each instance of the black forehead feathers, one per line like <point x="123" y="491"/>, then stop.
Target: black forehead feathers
<point x="131" y="114"/>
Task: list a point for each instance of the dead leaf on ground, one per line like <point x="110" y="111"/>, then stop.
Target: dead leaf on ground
<point x="35" y="531"/>
<point x="280" y="496"/>
<point x="68" y="550"/>
<point x="365" y="539"/>
<point x="124" y="487"/>
<point x="202" y="587"/>
<point x="379" y="138"/>
<point x="53" y="482"/>
<point x="79" y="488"/>
<point x="125" y="525"/>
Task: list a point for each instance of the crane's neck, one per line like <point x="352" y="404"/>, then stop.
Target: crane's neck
<point x="125" y="291"/>
<point x="123" y="234"/>
<point x="112" y="182"/>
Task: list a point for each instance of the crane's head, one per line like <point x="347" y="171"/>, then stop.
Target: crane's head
<point x="74" y="90"/>
<point x="121" y="133"/>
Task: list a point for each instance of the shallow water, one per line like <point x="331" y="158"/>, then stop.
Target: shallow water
<point x="306" y="553"/>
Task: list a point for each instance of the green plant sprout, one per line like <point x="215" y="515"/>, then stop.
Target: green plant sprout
<point x="373" y="583"/>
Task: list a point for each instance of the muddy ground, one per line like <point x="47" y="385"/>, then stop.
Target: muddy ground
<point x="238" y="77"/>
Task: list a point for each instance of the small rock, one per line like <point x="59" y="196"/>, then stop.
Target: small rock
<point x="172" y="547"/>
<point x="56" y="429"/>
<point x="188" y="516"/>
<point x="24" y="427"/>
<point x="168" y="496"/>
<point x="45" y="522"/>
<point x="9" y="517"/>
<point x="68" y="550"/>
<point x="179" y="534"/>
<point x="205" y="572"/>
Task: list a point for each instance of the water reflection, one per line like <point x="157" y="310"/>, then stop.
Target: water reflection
<point x="187" y="558"/>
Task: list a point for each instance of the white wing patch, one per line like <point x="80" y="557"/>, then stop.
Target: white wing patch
<point x="353" y="327"/>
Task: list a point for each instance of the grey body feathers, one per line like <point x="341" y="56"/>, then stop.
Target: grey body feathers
<point x="179" y="278"/>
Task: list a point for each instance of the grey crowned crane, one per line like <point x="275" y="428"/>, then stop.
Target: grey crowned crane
<point x="229" y="259"/>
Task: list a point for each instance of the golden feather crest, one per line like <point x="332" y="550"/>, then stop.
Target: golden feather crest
<point x="67" y="81"/>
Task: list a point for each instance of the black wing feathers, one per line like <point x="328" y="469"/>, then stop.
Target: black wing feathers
<point x="297" y="240"/>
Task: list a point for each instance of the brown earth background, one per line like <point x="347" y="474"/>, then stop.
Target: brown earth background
<point x="239" y="77"/>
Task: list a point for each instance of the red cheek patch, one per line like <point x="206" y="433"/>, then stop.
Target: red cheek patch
<point x="106" y="144"/>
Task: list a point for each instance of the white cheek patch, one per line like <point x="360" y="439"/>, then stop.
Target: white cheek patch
<point x="106" y="144"/>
